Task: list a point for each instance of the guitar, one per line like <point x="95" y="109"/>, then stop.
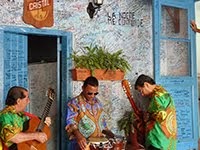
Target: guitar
<point x="139" y="122"/>
<point x="35" y="124"/>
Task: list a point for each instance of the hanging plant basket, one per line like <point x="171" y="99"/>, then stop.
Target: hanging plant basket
<point x="79" y="74"/>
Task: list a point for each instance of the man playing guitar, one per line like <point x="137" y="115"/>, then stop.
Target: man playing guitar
<point x="12" y="119"/>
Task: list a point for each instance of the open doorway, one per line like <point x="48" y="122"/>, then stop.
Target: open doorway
<point x="19" y="65"/>
<point x="42" y="74"/>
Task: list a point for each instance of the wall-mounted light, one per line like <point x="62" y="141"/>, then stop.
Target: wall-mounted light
<point x="92" y="6"/>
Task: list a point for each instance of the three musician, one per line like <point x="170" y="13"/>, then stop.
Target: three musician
<point x="85" y="117"/>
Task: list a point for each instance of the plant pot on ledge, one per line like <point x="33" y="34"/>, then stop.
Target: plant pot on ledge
<point x="99" y="62"/>
<point x="79" y="74"/>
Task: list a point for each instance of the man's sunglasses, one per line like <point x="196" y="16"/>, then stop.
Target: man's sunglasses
<point x="92" y="93"/>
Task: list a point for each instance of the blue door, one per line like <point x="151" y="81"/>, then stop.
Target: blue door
<point x="13" y="61"/>
<point x="175" y="64"/>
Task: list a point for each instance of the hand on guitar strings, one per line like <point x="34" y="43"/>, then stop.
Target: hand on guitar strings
<point x="47" y="121"/>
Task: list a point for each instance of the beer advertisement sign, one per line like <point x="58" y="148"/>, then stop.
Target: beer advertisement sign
<point x="38" y="13"/>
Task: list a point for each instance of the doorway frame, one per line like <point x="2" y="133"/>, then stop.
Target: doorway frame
<point x="64" y="49"/>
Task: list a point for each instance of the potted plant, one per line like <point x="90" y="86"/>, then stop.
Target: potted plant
<point x="97" y="61"/>
<point x="126" y="123"/>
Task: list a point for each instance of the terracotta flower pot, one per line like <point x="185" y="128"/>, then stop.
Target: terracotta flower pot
<point x="101" y="74"/>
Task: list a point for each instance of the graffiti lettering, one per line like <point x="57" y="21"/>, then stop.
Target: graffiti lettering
<point x="124" y="18"/>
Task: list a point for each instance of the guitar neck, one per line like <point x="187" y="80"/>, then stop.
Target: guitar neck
<point x="127" y="89"/>
<point x="134" y="106"/>
<point x="45" y="114"/>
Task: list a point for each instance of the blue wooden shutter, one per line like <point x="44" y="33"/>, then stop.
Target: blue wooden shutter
<point x="15" y="60"/>
<point x="175" y="64"/>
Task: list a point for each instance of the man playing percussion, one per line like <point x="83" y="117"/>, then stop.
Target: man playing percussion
<point x="84" y="118"/>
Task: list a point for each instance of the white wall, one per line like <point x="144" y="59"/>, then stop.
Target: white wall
<point x="197" y="19"/>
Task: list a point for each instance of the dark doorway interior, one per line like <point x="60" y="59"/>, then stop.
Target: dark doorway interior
<point x="42" y="49"/>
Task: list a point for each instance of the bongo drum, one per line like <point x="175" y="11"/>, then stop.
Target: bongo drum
<point x="100" y="143"/>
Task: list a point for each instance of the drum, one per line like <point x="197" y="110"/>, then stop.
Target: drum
<point x="99" y="144"/>
<point x="118" y="143"/>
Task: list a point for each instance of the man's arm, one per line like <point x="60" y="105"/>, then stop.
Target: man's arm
<point x="22" y="137"/>
<point x="73" y="130"/>
<point x="39" y="136"/>
<point x="82" y="142"/>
